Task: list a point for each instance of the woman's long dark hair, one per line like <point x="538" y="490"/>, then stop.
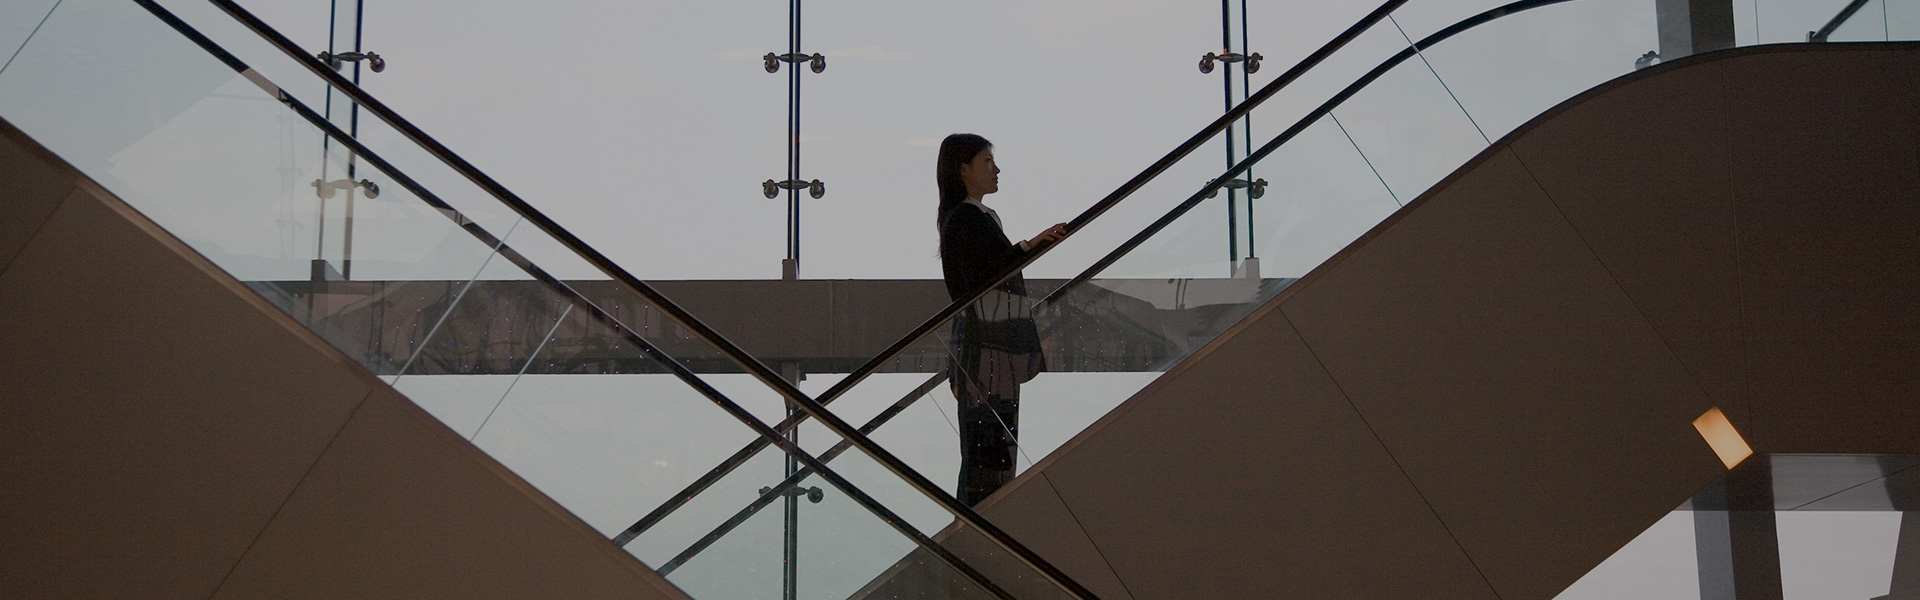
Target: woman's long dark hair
<point x="958" y="149"/>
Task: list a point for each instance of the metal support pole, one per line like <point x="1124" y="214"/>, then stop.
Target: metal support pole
<point x="790" y="266"/>
<point x="793" y="139"/>
<point x="1226" y="46"/>
<point x="790" y="270"/>
<point x="1688" y="27"/>
<point x="1252" y="267"/>
<point x="1736" y="540"/>
<point x="790" y="530"/>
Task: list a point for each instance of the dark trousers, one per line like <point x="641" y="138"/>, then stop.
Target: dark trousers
<point x="987" y="433"/>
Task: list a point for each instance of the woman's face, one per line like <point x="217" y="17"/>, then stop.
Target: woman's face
<point x="981" y="176"/>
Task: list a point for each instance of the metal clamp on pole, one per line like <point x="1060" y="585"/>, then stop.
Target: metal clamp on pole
<point x="772" y="188"/>
<point x="1252" y="60"/>
<point x="1255" y="188"/>
<point x="326" y="189"/>
<point x="814" y="61"/>
<point x="813" y="494"/>
<point x="335" y="60"/>
<point x="1651" y="58"/>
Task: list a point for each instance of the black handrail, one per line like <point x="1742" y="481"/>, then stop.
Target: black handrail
<point x="1837" y="20"/>
<point x="646" y="348"/>
<point x="680" y="316"/>
<point x="779" y="490"/>
<point x="1158" y="225"/>
<point x="1125" y="190"/>
<point x="1298" y="126"/>
<point x="1125" y="248"/>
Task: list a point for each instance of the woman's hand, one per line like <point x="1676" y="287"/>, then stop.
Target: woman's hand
<point x="1052" y="234"/>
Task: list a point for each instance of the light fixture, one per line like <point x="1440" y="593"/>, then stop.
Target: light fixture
<point x="1720" y="434"/>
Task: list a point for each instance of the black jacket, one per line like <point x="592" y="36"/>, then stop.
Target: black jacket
<point x="973" y="250"/>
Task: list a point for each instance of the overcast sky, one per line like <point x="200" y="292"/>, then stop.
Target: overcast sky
<point x="646" y="128"/>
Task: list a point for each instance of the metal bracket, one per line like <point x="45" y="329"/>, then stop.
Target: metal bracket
<point x="772" y="188"/>
<point x="814" y="61"/>
<point x="1252" y="60"/>
<point x="1255" y="188"/>
<point x="334" y="60"/>
<point x="326" y="189"/>
<point x="813" y="494"/>
<point x="1649" y="59"/>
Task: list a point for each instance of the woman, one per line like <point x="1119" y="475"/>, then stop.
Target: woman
<point x="995" y="344"/>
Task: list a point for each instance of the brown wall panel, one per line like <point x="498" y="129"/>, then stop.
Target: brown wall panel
<point x="1826" y="181"/>
<point x="1656" y="208"/>
<point x="1527" y="344"/>
<point x="1249" y="475"/>
<point x="400" y="507"/>
<point x="1507" y="373"/>
<point x="153" y="420"/>
<point x="31" y="186"/>
<point x="156" y="417"/>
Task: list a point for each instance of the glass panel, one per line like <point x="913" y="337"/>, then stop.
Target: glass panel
<point x="1746" y="23"/>
<point x="1660" y="564"/>
<point x="18" y="20"/>
<point x="209" y="156"/>
<point x="1869" y="24"/>
<point x="1410" y="128"/>
<point x="586" y="424"/>
<point x="556" y="260"/>
<point x="405" y="280"/>
<point x="1366" y="51"/>
<point x="1421" y="19"/>
<point x="1789" y="21"/>
<point x="1837" y="554"/>
<point x="872" y="131"/>
<point x="746" y="556"/>
<point x="1903" y="19"/>
<point x="841" y="550"/>
<point x="1325" y="196"/>
<point x="1510" y="70"/>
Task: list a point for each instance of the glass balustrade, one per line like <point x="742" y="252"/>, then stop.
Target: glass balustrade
<point x="440" y="286"/>
<point x="1433" y="94"/>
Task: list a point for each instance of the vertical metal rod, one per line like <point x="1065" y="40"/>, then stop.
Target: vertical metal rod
<point x="1246" y="87"/>
<point x="353" y="130"/>
<point x="320" y="230"/>
<point x="790" y="542"/>
<point x="326" y="144"/>
<point x="793" y="134"/>
<point x="790" y="533"/>
<point x="346" y="227"/>
<point x="1226" y="47"/>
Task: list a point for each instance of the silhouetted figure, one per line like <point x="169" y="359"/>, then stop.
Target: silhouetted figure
<point x="995" y="345"/>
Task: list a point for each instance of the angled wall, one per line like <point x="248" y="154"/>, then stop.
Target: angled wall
<point x="165" y="433"/>
<point x="1492" y="391"/>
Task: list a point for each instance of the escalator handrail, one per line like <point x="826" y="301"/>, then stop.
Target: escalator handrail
<point x="813" y="464"/>
<point x="1846" y="13"/>
<point x="673" y="311"/>
<point x="1138" y="181"/>
<point x="740" y="457"/>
